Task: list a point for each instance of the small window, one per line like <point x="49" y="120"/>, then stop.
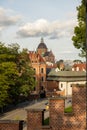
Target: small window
<point x="34" y="70"/>
<point x="42" y="78"/>
<point x="42" y="87"/>
<point x="34" y="88"/>
<point x="61" y="85"/>
<point x="42" y="70"/>
<point x="34" y="78"/>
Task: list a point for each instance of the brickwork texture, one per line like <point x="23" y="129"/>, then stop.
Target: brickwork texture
<point x="58" y="119"/>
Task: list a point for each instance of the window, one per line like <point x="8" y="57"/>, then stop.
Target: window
<point x="42" y="78"/>
<point x="34" y="88"/>
<point x="42" y="70"/>
<point x="61" y="85"/>
<point x="42" y="87"/>
<point x="34" y="78"/>
<point x="34" y="70"/>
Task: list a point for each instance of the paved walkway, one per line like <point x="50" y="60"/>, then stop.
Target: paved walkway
<point x="20" y="112"/>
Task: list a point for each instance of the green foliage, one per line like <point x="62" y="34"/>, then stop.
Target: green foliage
<point x="79" y="38"/>
<point x="46" y="121"/>
<point x="59" y="63"/>
<point x="16" y="74"/>
<point x="3" y="90"/>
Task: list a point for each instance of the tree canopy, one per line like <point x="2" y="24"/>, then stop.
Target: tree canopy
<point x="79" y="38"/>
<point x="16" y="74"/>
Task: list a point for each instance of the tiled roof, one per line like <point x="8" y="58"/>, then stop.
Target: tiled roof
<point x="67" y="75"/>
<point x="80" y="66"/>
<point x="48" y="53"/>
<point x="35" y="57"/>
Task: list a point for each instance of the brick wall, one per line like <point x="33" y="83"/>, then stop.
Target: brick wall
<point x="58" y="119"/>
<point x="11" y="125"/>
<point x="34" y="119"/>
<point x="51" y="85"/>
<point x="56" y="113"/>
<point x="77" y="120"/>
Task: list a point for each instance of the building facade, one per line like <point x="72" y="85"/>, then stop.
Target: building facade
<point x="39" y="59"/>
<point x="42" y="49"/>
<point x="62" y="81"/>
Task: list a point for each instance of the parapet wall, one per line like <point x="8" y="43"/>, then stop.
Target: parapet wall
<point x="11" y="125"/>
<point x="69" y="121"/>
<point x="58" y="120"/>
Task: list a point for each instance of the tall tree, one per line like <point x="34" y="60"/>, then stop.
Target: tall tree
<point x="26" y="72"/>
<point x="79" y="38"/>
<point x="8" y="74"/>
<point x="16" y="74"/>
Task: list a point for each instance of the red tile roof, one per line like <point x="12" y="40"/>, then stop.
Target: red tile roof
<point x="35" y="57"/>
<point x="80" y="66"/>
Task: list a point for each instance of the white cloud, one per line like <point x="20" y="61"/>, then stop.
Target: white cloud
<point x="7" y="20"/>
<point x="67" y="52"/>
<point x="42" y="27"/>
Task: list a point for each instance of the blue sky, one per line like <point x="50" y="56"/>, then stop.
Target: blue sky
<point x="26" y="21"/>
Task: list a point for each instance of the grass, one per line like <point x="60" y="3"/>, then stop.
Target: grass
<point x="68" y="109"/>
<point x="46" y="121"/>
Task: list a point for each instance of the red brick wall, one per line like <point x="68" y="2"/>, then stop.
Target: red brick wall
<point x="56" y="113"/>
<point x="77" y="120"/>
<point x="34" y="119"/>
<point x="60" y="120"/>
<point x="11" y="125"/>
<point x="51" y="85"/>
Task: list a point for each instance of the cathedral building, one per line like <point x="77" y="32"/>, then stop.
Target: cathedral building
<point x="39" y="60"/>
<point x="43" y="51"/>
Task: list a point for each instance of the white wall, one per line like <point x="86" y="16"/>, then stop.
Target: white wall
<point x="67" y="86"/>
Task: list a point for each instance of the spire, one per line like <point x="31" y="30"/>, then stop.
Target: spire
<point x="42" y="40"/>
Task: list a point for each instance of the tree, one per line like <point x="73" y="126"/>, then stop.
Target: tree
<point x="16" y="74"/>
<point x="79" y="38"/>
<point x="8" y="74"/>
<point x="60" y="64"/>
<point x="26" y="72"/>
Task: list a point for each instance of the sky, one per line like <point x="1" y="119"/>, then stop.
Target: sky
<point x="26" y="21"/>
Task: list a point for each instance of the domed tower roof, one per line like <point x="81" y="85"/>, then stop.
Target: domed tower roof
<point x="42" y="45"/>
